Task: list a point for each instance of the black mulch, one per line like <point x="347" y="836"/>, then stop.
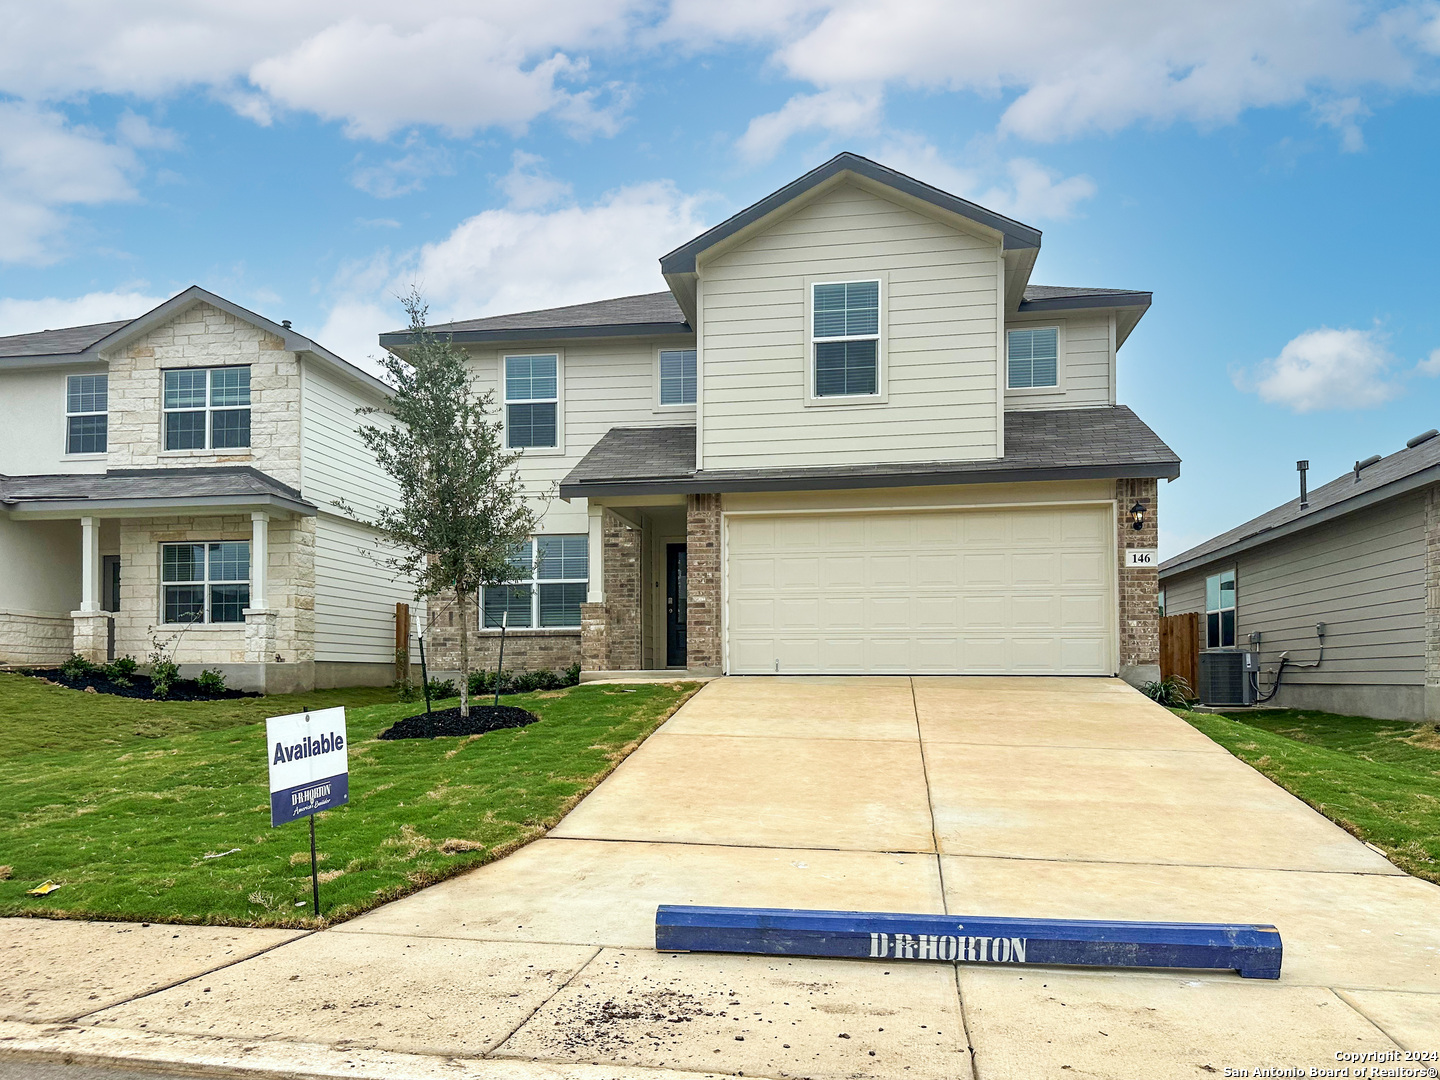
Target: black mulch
<point x="482" y="718"/>
<point x="136" y="686"/>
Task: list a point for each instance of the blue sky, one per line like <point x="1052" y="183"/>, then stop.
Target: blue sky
<point x="1267" y="168"/>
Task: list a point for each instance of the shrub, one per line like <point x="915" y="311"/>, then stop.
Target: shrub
<point x="77" y="667"/>
<point x="163" y="674"/>
<point x="211" y="681"/>
<point x="405" y="690"/>
<point x="1173" y="693"/>
<point x="120" y="669"/>
<point x="483" y="682"/>
<point x="572" y="675"/>
<point x="442" y="688"/>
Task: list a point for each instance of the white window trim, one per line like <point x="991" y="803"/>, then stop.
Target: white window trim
<point x="206" y="624"/>
<point x="87" y="455"/>
<point x="1037" y="391"/>
<point x="690" y="408"/>
<point x="1235" y="607"/>
<point x="535" y="581"/>
<point x="505" y="403"/>
<point x="209" y="411"/>
<point x="882" y="342"/>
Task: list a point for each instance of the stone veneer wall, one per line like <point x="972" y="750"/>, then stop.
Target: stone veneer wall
<point x="702" y="614"/>
<point x="205" y="336"/>
<point x="290" y="585"/>
<point x="611" y="632"/>
<point x="35" y="638"/>
<point x="1139" y="586"/>
<point x="1432" y="603"/>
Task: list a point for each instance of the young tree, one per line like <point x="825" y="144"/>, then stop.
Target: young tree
<point x="462" y="514"/>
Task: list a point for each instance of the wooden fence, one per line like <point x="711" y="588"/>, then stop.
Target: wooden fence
<point x="1180" y="647"/>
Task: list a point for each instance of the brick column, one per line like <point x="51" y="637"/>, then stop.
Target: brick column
<point x="702" y="560"/>
<point x="610" y="631"/>
<point x="594" y="639"/>
<point x="1432" y="603"/>
<point x="1139" y="586"/>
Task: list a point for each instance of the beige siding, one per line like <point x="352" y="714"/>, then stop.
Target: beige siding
<point x="606" y="384"/>
<point x="938" y="355"/>
<point x="336" y="464"/>
<point x="355" y="597"/>
<point x="1363" y="576"/>
<point x="1086" y="368"/>
<point x="32" y="424"/>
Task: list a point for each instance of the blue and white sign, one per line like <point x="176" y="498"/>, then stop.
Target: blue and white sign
<point x="309" y="765"/>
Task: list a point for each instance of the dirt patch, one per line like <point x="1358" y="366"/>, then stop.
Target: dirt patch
<point x="449" y="722"/>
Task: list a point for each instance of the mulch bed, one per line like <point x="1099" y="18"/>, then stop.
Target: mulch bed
<point x="139" y="686"/>
<point x="443" y="722"/>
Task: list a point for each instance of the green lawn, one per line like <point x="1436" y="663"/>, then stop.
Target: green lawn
<point x="120" y="801"/>
<point x="1378" y="779"/>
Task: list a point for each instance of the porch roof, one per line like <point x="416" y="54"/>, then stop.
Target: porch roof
<point x="132" y="491"/>
<point x="1058" y="444"/>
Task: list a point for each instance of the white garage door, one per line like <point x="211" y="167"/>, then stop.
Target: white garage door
<point x="956" y="591"/>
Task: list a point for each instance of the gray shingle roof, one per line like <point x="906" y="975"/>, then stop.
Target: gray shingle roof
<point x="1401" y="472"/>
<point x="1038" y="294"/>
<point x="1039" y="445"/>
<point x="645" y="313"/>
<point x="141" y="485"/>
<point x="72" y="339"/>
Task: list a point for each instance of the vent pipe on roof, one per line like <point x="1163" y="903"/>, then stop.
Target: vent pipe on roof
<point x="1361" y="466"/>
<point x="1302" y="467"/>
<point x="285" y="323"/>
<point x="1423" y="437"/>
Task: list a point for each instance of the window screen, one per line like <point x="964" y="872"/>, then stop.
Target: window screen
<point x="677" y="376"/>
<point x="1033" y="357"/>
<point x="846" y="333"/>
<point x="532" y="388"/>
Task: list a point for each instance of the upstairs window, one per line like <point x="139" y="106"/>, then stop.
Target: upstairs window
<point x="677" y="376"/>
<point x="207" y="408"/>
<point x="1220" y="611"/>
<point x="845" y="337"/>
<point x="1034" y="358"/>
<point x="87" y="420"/>
<point x="205" y="583"/>
<point x="532" y="400"/>
<point x="547" y="592"/>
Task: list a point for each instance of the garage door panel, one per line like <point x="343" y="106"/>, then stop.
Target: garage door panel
<point x="990" y="591"/>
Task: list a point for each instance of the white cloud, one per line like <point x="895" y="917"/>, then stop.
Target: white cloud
<point x="513" y="260"/>
<point x="1430" y="365"/>
<point x="52" y="313"/>
<point x="529" y="187"/>
<point x="1326" y="369"/>
<point x="1344" y="116"/>
<point x="1020" y="187"/>
<point x="835" y="112"/>
<point x="404" y="174"/>
<point x="47" y="166"/>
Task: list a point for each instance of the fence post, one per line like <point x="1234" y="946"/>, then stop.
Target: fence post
<point x="402" y="643"/>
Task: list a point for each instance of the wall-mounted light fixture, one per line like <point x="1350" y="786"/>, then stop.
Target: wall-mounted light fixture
<point x="1137" y="515"/>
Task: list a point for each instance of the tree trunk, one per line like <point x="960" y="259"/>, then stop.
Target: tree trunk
<point x="462" y="597"/>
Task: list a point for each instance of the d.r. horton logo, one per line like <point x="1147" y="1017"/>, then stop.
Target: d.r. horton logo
<point x="983" y="950"/>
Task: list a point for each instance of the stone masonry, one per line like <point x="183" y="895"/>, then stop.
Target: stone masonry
<point x="290" y="584"/>
<point x="205" y="336"/>
<point x="1432" y="603"/>
<point x="702" y="541"/>
<point x="1139" y="586"/>
<point x="36" y="638"/>
<point x="611" y="631"/>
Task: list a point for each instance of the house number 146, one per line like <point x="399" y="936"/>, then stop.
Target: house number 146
<point x="1140" y="557"/>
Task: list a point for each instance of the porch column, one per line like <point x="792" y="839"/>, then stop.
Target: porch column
<point x="259" y="619"/>
<point x="89" y="564"/>
<point x="92" y="624"/>
<point x="259" y="557"/>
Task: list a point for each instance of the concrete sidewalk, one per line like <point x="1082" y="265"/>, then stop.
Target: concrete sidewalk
<point x="1073" y="798"/>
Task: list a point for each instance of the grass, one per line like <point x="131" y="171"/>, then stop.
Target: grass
<point x="1377" y="779"/>
<point x="120" y="800"/>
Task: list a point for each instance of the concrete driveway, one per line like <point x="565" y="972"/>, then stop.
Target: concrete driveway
<point x="1073" y="798"/>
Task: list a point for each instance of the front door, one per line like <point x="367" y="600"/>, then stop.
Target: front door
<point x="675" y="599"/>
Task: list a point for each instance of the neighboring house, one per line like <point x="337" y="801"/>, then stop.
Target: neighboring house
<point x="851" y="437"/>
<point x="174" y="477"/>
<point x="1360" y="555"/>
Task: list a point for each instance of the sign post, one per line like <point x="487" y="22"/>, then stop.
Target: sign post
<point x="309" y="771"/>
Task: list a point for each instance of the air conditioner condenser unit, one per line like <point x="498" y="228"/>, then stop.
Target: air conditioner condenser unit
<point x="1228" y="677"/>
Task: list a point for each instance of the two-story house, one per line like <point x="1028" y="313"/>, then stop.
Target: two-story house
<point x="851" y="437"/>
<point x="174" y="478"/>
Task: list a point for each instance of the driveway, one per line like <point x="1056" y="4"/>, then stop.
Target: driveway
<point x="1073" y="798"/>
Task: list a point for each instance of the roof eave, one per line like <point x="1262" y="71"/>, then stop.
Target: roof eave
<point x="47" y="360"/>
<point x="403" y="338"/>
<point x="40" y="509"/>
<point x="719" y="483"/>
<point x="1405" y="485"/>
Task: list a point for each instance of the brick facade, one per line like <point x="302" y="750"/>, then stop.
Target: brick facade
<point x="612" y="632"/>
<point x="702" y="616"/>
<point x="525" y="650"/>
<point x="1139" y="586"/>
